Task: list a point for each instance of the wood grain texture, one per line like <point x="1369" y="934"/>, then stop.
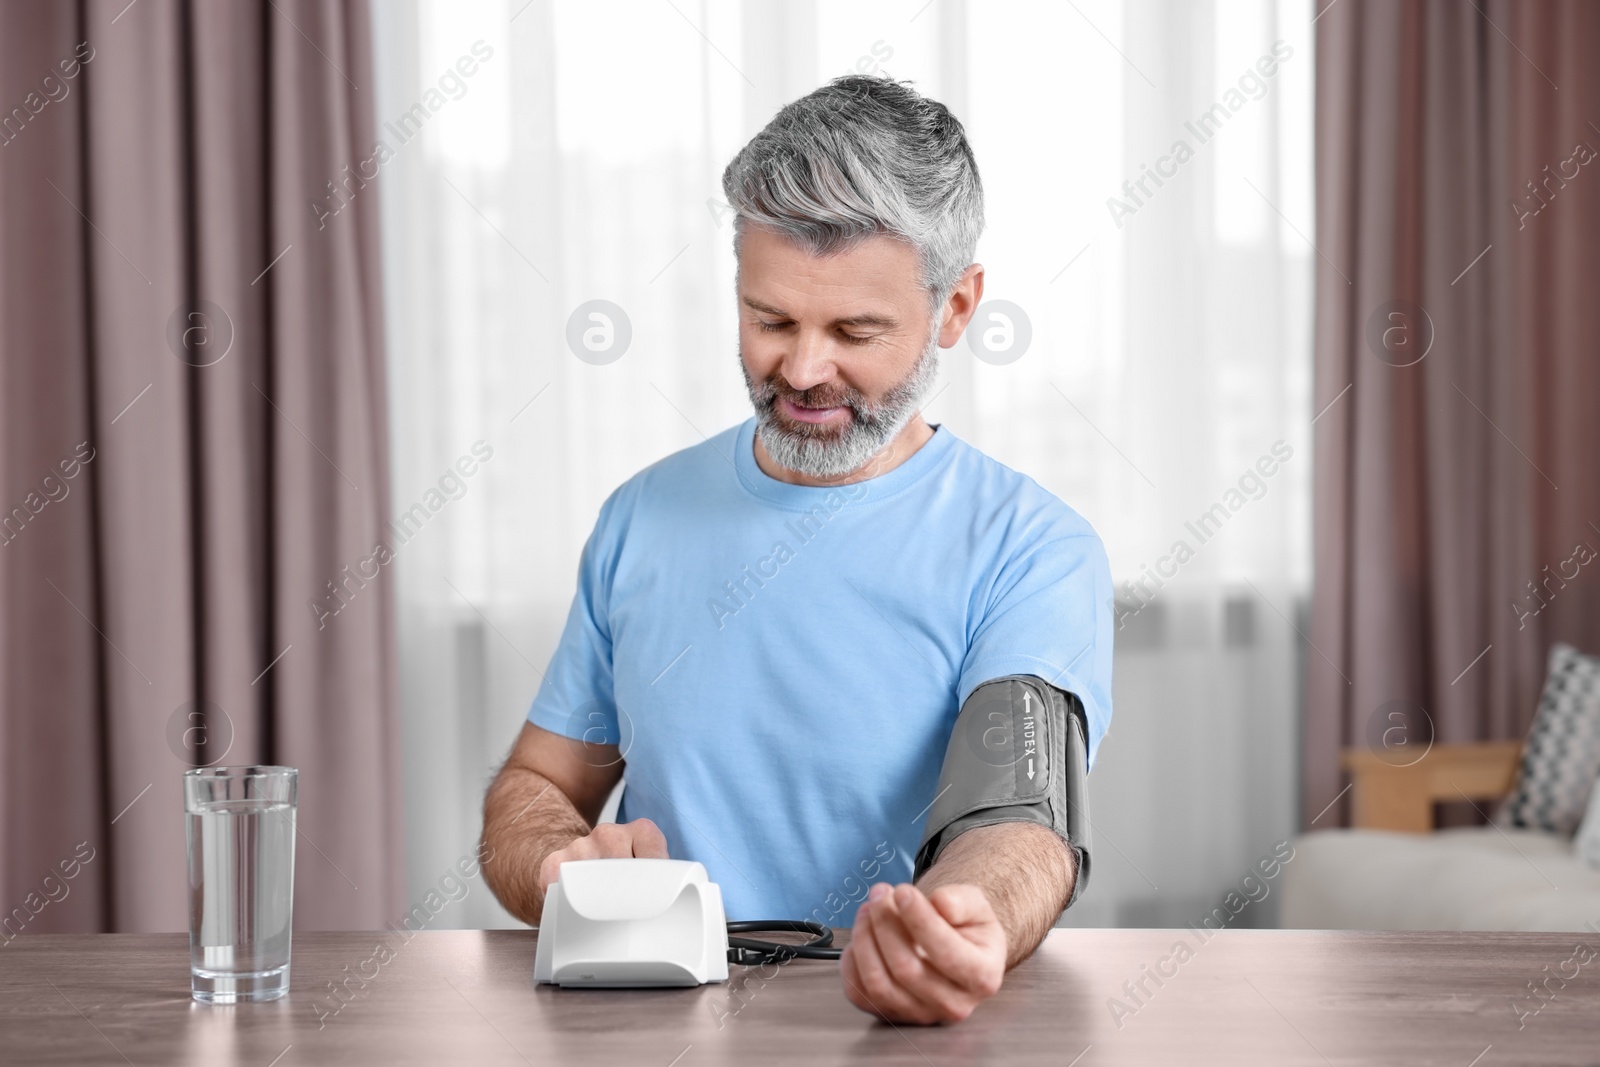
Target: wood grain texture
<point x="1243" y="997"/>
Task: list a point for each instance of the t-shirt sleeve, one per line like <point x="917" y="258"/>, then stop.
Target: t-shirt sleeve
<point x="1050" y="615"/>
<point x="576" y="698"/>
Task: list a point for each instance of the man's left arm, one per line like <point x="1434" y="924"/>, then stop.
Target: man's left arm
<point x="1005" y="850"/>
<point x="931" y="952"/>
<point x="1006" y="845"/>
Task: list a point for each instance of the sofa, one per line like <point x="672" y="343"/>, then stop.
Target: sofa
<point x="1394" y="871"/>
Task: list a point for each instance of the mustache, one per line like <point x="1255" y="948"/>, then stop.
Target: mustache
<point x="818" y="396"/>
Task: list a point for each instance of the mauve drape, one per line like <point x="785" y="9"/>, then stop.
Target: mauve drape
<point x="140" y="208"/>
<point x="1445" y="487"/>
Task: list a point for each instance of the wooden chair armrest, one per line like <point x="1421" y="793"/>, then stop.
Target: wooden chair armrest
<point x="1385" y="796"/>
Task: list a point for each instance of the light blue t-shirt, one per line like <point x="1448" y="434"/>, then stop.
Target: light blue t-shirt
<point x="782" y="665"/>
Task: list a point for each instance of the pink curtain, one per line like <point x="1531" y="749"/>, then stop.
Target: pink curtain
<point x="192" y="451"/>
<point x="1457" y="497"/>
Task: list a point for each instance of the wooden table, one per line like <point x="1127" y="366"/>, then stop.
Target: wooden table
<point x="445" y="997"/>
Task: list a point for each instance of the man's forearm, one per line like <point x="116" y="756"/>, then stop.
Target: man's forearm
<point x="525" y="818"/>
<point x="1026" y="871"/>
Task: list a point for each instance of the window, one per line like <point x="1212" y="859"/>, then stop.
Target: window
<point x="1165" y="294"/>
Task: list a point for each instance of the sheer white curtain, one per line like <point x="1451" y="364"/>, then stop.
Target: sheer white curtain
<point x="1169" y="353"/>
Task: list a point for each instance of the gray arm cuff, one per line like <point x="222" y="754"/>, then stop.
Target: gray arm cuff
<point x="1019" y="753"/>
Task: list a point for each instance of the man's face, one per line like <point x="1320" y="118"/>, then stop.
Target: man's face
<point x="838" y="351"/>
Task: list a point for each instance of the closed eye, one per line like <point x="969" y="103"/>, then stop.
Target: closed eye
<point x="847" y="337"/>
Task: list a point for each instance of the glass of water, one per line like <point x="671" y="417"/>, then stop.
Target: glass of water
<point x="241" y="881"/>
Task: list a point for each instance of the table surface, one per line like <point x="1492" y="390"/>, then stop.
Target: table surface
<point x="1241" y="997"/>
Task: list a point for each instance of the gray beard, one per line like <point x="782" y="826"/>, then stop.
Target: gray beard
<point x="830" y="453"/>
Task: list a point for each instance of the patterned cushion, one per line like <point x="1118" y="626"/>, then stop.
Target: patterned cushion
<point x="1561" y="758"/>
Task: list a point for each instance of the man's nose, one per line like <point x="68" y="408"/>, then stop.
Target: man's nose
<point x="810" y="362"/>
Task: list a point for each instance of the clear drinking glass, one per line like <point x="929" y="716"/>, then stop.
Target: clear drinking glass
<point x="241" y="881"/>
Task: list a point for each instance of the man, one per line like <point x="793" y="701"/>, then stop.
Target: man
<point x="774" y="630"/>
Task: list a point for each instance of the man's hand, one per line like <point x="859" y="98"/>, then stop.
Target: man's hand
<point x="641" y="838"/>
<point x="930" y="953"/>
<point x="541" y="810"/>
<point x="924" y="958"/>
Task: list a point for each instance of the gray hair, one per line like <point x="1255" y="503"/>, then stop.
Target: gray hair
<point x="861" y="156"/>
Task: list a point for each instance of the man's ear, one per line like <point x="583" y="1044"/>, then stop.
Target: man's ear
<point x="962" y="303"/>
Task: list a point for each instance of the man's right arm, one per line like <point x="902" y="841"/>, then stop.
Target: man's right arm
<point x="540" y="811"/>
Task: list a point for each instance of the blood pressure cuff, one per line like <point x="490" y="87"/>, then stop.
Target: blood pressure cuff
<point x="1019" y="753"/>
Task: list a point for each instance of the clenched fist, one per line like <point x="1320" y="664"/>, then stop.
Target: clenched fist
<point x="641" y="838"/>
<point x="924" y="958"/>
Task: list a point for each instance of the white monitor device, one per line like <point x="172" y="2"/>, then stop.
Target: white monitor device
<point x="631" y="923"/>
